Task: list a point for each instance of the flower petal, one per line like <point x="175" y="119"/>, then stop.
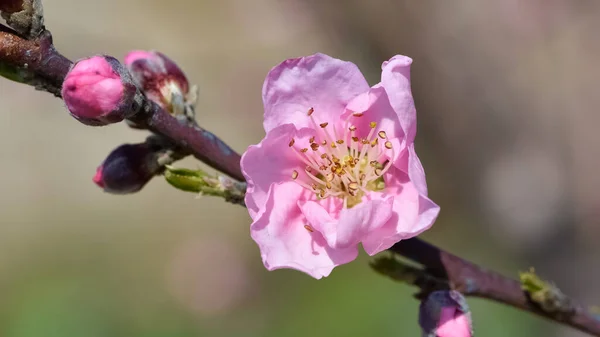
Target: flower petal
<point x="375" y="107"/>
<point x="320" y="219"/>
<point x="269" y="162"/>
<point x="318" y="81"/>
<point x="395" y="78"/>
<point x="416" y="171"/>
<point x="358" y="222"/>
<point x="413" y="213"/>
<point x="283" y="240"/>
<point x="353" y="225"/>
<point x="409" y="162"/>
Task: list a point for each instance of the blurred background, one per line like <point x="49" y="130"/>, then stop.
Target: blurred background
<point x="507" y="107"/>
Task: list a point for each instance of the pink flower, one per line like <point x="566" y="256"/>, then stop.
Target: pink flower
<point x="337" y="166"/>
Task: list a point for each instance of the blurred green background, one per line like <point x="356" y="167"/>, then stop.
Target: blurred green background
<point x="507" y="107"/>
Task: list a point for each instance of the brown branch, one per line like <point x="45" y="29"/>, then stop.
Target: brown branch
<point x="473" y="280"/>
<point x="37" y="63"/>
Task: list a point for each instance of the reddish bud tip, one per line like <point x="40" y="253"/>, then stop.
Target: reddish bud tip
<point x="98" y="179"/>
<point x="99" y="91"/>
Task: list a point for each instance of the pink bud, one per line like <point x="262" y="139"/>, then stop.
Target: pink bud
<point x="445" y="314"/>
<point x="161" y="80"/>
<point x="99" y="91"/>
<point x="453" y="323"/>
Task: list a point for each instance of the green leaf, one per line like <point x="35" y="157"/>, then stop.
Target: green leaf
<point x="186" y="179"/>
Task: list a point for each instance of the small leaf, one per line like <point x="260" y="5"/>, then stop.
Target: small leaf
<point x="546" y="294"/>
<point x="186" y="179"/>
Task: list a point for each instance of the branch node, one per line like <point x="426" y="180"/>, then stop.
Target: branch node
<point x="545" y="294"/>
<point x="24" y="16"/>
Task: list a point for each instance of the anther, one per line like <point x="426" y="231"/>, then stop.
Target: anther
<point x="373" y="125"/>
<point x="294" y="174"/>
<point x="375" y="142"/>
<point x="304" y="150"/>
<point x="377" y="171"/>
<point x="340" y="141"/>
<point x="388" y="145"/>
<point x="292" y="142"/>
<point x="324" y="142"/>
<point x="310" y="111"/>
<point x="352" y="128"/>
<point x="314" y="146"/>
<point x="308" y="228"/>
<point x="323" y="125"/>
<point x="324" y="155"/>
<point x="312" y="139"/>
<point x="357" y="114"/>
<point x="382" y="134"/>
<point x="355" y="139"/>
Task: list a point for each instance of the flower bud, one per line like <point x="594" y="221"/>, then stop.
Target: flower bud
<point x="162" y="81"/>
<point x="99" y="91"/>
<point x="128" y="168"/>
<point x="445" y="314"/>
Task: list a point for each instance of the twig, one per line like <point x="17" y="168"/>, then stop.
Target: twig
<point x="37" y="62"/>
<point x="40" y="65"/>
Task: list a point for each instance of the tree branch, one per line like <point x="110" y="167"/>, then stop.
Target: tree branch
<point x="473" y="280"/>
<point x="36" y="62"/>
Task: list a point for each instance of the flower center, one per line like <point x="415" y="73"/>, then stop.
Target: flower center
<point x="345" y="167"/>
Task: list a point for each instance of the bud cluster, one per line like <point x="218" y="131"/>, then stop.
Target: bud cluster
<point x="100" y="90"/>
